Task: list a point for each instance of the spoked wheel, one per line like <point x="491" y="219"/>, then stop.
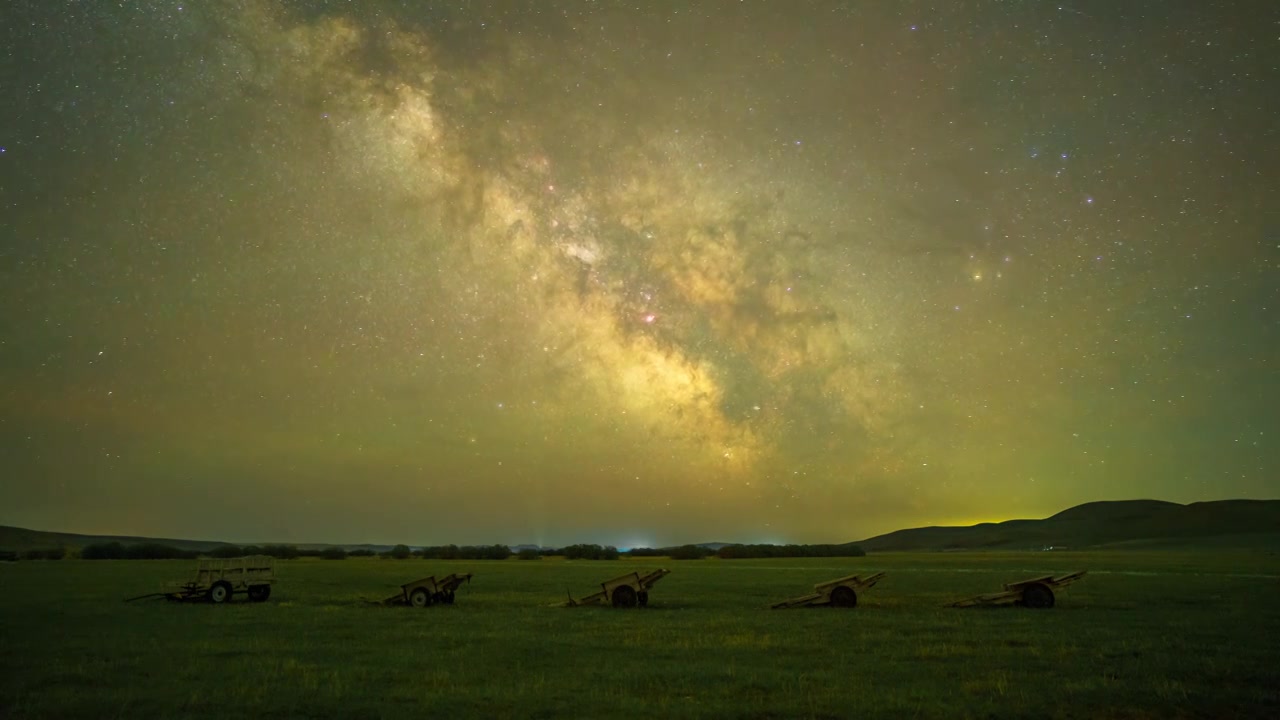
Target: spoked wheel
<point x="624" y="596"/>
<point x="1037" y="596"/>
<point x="220" y="593"/>
<point x="259" y="593"/>
<point x="419" y="597"/>
<point x="844" y="597"/>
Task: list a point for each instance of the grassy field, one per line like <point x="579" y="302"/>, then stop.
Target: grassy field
<point x="1145" y="635"/>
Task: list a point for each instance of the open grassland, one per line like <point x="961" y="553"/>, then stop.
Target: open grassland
<point x="1145" y="635"/>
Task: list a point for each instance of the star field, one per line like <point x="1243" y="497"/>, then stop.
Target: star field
<point x="567" y="272"/>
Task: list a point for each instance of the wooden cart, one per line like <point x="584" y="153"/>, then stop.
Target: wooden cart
<point x="429" y="591"/>
<point x="1037" y="593"/>
<point x="841" y="592"/>
<point x="625" y="591"/>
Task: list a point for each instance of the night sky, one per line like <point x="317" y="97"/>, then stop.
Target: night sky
<point x="557" y="272"/>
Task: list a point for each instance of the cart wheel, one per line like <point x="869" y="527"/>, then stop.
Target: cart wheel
<point x="624" y="596"/>
<point x="220" y="593"/>
<point x="420" y="597"/>
<point x="259" y="593"/>
<point x="1037" y="596"/>
<point x="643" y="597"/>
<point x="844" y="597"/>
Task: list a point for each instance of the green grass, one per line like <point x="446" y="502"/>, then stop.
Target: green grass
<point x="1150" y="635"/>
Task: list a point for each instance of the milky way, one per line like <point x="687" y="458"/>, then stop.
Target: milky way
<point x="566" y="272"/>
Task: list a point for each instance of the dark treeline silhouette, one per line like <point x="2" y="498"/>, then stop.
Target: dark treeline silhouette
<point x="399" y="552"/>
<point x="37" y="554"/>
<point x="157" y="551"/>
<point x="689" y="552"/>
<point x="585" y="552"/>
<point x="647" y="552"/>
<point x="139" y="551"/>
<point x="679" y="552"/>
<point x="737" y="552"/>
<point x="466" y="552"/>
<point x="733" y="552"/>
<point x="282" y="552"/>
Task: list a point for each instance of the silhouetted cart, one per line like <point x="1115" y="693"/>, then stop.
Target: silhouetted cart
<point x="1035" y="593"/>
<point x="841" y="592"/>
<point x="429" y="591"/>
<point x="218" y="579"/>
<point x="628" y="590"/>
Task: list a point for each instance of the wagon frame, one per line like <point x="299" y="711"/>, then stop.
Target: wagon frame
<point x="624" y="591"/>
<point x="428" y="591"/>
<point x="841" y="593"/>
<point x="1037" y="593"/>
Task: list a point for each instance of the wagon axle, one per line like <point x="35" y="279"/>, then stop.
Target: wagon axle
<point x="1036" y="593"/>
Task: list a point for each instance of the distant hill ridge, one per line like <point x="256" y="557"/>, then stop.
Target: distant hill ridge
<point x="1118" y="523"/>
<point x="1100" y="524"/>
<point x="16" y="538"/>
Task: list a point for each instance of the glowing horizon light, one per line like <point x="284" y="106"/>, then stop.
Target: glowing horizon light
<point x="635" y="543"/>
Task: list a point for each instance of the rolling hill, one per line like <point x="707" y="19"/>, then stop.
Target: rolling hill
<point x="16" y="538"/>
<point x="1130" y="524"/>
<point x="20" y="539"/>
<point x="1122" y="523"/>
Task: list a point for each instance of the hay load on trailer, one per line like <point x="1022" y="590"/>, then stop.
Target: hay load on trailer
<point x="429" y="591"/>
<point x="217" y="580"/>
<point x="625" y="591"/>
<point x="1036" y="593"/>
<point x="841" y="592"/>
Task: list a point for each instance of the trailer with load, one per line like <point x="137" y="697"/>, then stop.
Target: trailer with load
<point x="625" y="591"/>
<point x="217" y="580"/>
<point x="1036" y="593"/>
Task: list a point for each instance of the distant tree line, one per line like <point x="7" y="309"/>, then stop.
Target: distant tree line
<point x="399" y="552"/>
<point x="586" y="552"/>
<point x="647" y="552"/>
<point x="465" y="552"/>
<point x="735" y="552"/>
<point x="158" y="551"/>
<point x="696" y="552"/>
<point x="33" y="554"/>
<point x="138" y="551"/>
<point x="281" y="552"/>
<point x="689" y="552"/>
<point x="679" y="552"/>
<point x="739" y="552"/>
